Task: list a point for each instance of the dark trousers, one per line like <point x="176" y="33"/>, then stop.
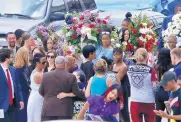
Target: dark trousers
<point x="160" y="96"/>
<point x="9" y="115"/>
<point x="55" y="118"/>
<point x="125" y="110"/>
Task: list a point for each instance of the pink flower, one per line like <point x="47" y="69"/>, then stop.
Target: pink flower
<point x="107" y="17"/>
<point x="42" y="28"/>
<point x="87" y="13"/>
<point x="74" y="20"/>
<point x="78" y="30"/>
<point x="71" y="28"/>
<point x="83" y="35"/>
<point x="45" y="34"/>
<point x="104" y="21"/>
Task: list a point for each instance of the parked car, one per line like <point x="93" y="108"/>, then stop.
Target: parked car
<point x="155" y="18"/>
<point x="125" y="5"/>
<point x="28" y="14"/>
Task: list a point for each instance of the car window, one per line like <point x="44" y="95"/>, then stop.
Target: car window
<point x="89" y="4"/>
<point x="58" y="6"/>
<point x="74" y="6"/>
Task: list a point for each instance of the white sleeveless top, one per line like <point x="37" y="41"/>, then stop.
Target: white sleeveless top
<point x="34" y="86"/>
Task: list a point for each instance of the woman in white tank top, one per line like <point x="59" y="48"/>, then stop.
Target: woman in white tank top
<point x="35" y="101"/>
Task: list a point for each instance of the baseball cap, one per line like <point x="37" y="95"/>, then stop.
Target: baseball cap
<point x="168" y="76"/>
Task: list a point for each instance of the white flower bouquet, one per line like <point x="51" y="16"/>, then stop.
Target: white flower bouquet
<point x="174" y="28"/>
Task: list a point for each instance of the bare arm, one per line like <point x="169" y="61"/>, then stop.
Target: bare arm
<point x="83" y="111"/>
<point x="88" y="89"/>
<point x="109" y="82"/>
<point x="38" y="78"/>
<point x="41" y="89"/>
<point x="122" y="71"/>
<point x="176" y="117"/>
<point x="165" y="115"/>
<point x="63" y="95"/>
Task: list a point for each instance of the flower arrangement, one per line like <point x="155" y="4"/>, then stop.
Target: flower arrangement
<point x="141" y="34"/>
<point x="84" y="28"/>
<point x="174" y="28"/>
<point x="42" y="31"/>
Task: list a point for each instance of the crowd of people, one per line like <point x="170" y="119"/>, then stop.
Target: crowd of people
<point x="38" y="84"/>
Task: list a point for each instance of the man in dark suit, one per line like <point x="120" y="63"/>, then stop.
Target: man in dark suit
<point x="54" y="83"/>
<point x="10" y="92"/>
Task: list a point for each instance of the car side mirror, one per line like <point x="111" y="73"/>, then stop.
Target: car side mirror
<point x="57" y="16"/>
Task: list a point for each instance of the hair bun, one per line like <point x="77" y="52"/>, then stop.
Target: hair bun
<point x="128" y="15"/>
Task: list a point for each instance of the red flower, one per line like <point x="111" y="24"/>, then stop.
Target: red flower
<point x="80" y="25"/>
<point x="98" y="20"/>
<point x="92" y="25"/>
<point x="129" y="47"/>
<point x="144" y="36"/>
<point x="74" y="28"/>
<point x="149" y="25"/>
<point x="74" y="36"/>
<point x="149" y="47"/>
<point x="152" y="40"/>
<point x="99" y="30"/>
<point x="69" y="52"/>
<point x="104" y="22"/>
<point x="140" y="42"/>
<point x="81" y="17"/>
<point x="141" y="25"/>
<point x="135" y="31"/>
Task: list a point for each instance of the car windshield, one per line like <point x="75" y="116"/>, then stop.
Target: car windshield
<point x="125" y="5"/>
<point x="35" y="9"/>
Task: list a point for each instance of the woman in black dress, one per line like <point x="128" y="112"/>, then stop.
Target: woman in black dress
<point x="163" y="65"/>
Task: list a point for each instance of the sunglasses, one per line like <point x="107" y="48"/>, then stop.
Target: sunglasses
<point x="49" y="56"/>
<point x="105" y="33"/>
<point x="43" y="62"/>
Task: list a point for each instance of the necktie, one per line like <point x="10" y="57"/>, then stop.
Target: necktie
<point x="10" y="88"/>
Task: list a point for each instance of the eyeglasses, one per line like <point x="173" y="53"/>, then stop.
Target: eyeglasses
<point x="105" y="33"/>
<point x="49" y="56"/>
